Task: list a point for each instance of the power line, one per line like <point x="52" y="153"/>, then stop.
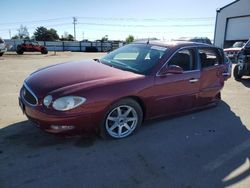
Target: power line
<point x="33" y="27"/>
<point x="132" y="24"/>
<point x="141" y="25"/>
<point x="115" y="25"/>
<point x="34" y="21"/>
<point x="112" y="19"/>
<point x="147" y="19"/>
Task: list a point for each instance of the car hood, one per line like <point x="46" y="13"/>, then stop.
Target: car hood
<point x="74" y="76"/>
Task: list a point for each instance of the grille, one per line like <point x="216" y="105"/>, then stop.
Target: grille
<point x="28" y="95"/>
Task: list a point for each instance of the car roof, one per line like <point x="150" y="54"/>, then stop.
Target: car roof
<point x="170" y="44"/>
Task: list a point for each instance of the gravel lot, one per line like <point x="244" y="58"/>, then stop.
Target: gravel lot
<point x="209" y="148"/>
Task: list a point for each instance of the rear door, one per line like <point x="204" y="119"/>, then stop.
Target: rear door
<point x="178" y="92"/>
<point x="212" y="79"/>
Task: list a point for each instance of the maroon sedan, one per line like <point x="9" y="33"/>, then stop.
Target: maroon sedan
<point x="114" y="95"/>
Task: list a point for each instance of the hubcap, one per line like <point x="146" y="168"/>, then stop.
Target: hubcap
<point x="121" y="121"/>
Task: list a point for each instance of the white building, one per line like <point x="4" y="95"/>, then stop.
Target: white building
<point x="232" y="23"/>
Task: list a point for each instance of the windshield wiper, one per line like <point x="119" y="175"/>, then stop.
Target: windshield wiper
<point x="124" y="66"/>
<point x="119" y="65"/>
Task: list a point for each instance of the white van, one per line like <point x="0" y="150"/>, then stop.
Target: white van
<point x="2" y="47"/>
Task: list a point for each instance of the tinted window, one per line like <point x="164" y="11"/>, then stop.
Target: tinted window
<point x="1" y="41"/>
<point x="184" y="59"/>
<point x="209" y="57"/>
<point x="238" y="44"/>
<point x="34" y="43"/>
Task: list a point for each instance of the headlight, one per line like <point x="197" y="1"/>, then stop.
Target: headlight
<point x="68" y="103"/>
<point x="47" y="100"/>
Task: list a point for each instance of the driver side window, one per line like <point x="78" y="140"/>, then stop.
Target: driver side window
<point x="185" y="59"/>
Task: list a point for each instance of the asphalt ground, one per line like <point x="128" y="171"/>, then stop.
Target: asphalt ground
<point x="203" y="149"/>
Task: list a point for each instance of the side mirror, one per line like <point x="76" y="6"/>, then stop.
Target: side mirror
<point x="172" y="69"/>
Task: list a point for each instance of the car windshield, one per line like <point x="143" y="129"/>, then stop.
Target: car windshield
<point x="138" y="58"/>
<point x="1" y="40"/>
<point x="238" y="44"/>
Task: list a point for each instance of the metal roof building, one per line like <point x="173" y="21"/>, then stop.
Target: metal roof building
<point x="232" y="23"/>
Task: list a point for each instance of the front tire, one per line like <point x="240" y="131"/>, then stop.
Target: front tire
<point x="237" y="73"/>
<point x="122" y="119"/>
<point x="44" y="51"/>
<point x="1" y="54"/>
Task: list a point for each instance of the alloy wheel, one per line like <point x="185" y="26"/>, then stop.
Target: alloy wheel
<point x="121" y="121"/>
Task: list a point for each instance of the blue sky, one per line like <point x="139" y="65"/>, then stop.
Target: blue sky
<point x="96" y="18"/>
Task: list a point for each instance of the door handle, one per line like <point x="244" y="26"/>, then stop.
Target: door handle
<point x="225" y="74"/>
<point x="193" y="80"/>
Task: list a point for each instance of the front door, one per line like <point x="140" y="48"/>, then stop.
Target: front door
<point x="178" y="92"/>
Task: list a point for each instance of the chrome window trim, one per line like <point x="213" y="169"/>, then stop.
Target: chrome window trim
<point x="32" y="93"/>
<point x="182" y="48"/>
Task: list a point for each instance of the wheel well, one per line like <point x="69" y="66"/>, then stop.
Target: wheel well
<point x="140" y="102"/>
<point x="218" y="95"/>
<point x="135" y="98"/>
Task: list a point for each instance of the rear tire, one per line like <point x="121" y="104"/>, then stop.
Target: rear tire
<point x="44" y="51"/>
<point x="237" y="74"/>
<point x="1" y="54"/>
<point x="122" y="119"/>
<point x="19" y="50"/>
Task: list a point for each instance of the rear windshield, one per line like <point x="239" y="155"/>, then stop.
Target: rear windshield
<point x="1" y="40"/>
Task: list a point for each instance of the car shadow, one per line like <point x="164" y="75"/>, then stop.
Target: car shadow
<point x="26" y="132"/>
<point x="200" y="149"/>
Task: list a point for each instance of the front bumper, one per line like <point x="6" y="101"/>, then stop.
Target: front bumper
<point x="72" y="124"/>
<point x="2" y="50"/>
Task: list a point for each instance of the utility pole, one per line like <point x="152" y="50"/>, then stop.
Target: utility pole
<point x="74" y="22"/>
<point x="10" y="33"/>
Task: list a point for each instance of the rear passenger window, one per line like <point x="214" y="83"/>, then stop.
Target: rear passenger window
<point x="184" y="59"/>
<point x="209" y="57"/>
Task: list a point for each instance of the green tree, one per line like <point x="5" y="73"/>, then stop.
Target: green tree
<point x="67" y="37"/>
<point x="15" y="37"/>
<point x="105" y="38"/>
<point x="71" y="37"/>
<point x="130" y="39"/>
<point x="44" y="34"/>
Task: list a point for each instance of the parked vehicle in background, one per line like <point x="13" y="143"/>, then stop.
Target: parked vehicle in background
<point x="204" y="40"/>
<point x="243" y="62"/>
<point x="3" y="48"/>
<point x="31" y="46"/>
<point x="113" y="95"/>
<point x="234" y="50"/>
